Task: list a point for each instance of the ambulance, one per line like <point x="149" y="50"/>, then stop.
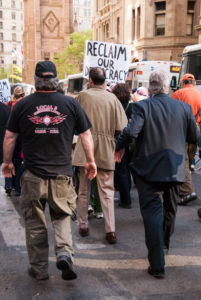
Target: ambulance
<point x="139" y="72"/>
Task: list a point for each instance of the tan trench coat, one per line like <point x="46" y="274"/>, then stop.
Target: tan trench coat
<point x="107" y="117"/>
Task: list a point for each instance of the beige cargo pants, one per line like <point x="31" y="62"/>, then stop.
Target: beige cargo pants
<point x="61" y="197"/>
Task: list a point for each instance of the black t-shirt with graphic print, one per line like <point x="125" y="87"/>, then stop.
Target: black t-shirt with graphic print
<point x="46" y="122"/>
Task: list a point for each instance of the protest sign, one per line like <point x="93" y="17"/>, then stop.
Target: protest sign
<point x="114" y="58"/>
<point x="5" y="94"/>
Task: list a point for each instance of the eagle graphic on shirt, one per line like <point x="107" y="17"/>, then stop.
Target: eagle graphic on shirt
<point x="47" y="119"/>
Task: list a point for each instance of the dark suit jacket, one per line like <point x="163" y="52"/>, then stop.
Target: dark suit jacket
<point x="4" y="113"/>
<point x="161" y="126"/>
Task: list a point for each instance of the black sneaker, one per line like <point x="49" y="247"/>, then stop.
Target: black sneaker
<point x="159" y="274"/>
<point x="186" y="199"/>
<point x="8" y="191"/>
<point x="65" y="264"/>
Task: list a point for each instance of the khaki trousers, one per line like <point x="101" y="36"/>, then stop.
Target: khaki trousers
<point x="61" y="197"/>
<point x="186" y="188"/>
<point x="105" y="181"/>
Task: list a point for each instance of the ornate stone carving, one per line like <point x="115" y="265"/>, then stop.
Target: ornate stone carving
<point x="51" y="21"/>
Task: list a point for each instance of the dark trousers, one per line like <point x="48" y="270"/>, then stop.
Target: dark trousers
<point x="122" y="179"/>
<point x="14" y="182"/>
<point x="159" y="220"/>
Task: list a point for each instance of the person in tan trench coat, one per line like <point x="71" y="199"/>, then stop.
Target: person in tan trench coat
<point x="108" y="119"/>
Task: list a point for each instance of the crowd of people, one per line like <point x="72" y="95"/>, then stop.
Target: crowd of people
<point x="145" y="136"/>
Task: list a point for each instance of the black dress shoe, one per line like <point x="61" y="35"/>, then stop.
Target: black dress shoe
<point x="65" y="264"/>
<point x="186" y="199"/>
<point x="111" y="237"/>
<point x="38" y="276"/>
<point x="125" y="205"/>
<point x="159" y="274"/>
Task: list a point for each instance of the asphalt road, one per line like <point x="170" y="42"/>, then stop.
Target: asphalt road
<point x="110" y="272"/>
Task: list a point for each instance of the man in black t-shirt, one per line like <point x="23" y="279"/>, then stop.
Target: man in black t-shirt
<point x="46" y="122"/>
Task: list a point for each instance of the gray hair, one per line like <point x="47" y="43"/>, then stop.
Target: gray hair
<point x="46" y="84"/>
<point x="158" y="82"/>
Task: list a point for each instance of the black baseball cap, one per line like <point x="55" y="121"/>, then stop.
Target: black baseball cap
<point x="46" y="69"/>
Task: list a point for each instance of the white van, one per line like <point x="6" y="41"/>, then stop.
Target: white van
<point x="76" y="83"/>
<point x="191" y="63"/>
<point x="139" y="72"/>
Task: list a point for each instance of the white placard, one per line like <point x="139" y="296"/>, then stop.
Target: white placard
<point x="114" y="58"/>
<point x="5" y="94"/>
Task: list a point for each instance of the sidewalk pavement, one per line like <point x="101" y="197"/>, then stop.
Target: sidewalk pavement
<point x="111" y="272"/>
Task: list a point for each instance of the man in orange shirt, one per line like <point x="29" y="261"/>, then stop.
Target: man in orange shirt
<point x="190" y="95"/>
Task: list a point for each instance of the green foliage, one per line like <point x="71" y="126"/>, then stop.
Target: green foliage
<point x="70" y="61"/>
<point x="15" y="74"/>
<point x="3" y="73"/>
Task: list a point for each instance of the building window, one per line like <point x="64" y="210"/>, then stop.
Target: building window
<point x="14" y="62"/>
<point x="13" y="27"/>
<point x="107" y="30"/>
<point x="1" y="25"/>
<point x="138" y="22"/>
<point x="85" y="12"/>
<point x="89" y="12"/>
<point x="12" y="4"/>
<point x="1" y="47"/>
<point x="0" y="3"/>
<point x="160" y="8"/>
<point x="13" y="15"/>
<point x="118" y="28"/>
<point x="1" y="36"/>
<point x="190" y="18"/>
<point x="2" y="60"/>
<point x="89" y="3"/>
<point x="1" y="14"/>
<point x="22" y="17"/>
<point x="133" y="25"/>
<point x="97" y="7"/>
<point x="13" y="36"/>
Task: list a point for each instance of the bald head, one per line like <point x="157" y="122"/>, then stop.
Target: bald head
<point x="97" y="75"/>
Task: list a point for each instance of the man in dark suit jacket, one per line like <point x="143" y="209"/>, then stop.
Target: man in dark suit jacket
<point x="4" y="113"/>
<point x="160" y="126"/>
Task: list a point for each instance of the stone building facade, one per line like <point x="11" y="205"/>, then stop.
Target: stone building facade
<point x="47" y="27"/>
<point x="155" y="29"/>
<point x="11" y="31"/>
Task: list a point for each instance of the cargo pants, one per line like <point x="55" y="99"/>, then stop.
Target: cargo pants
<point x="61" y="197"/>
<point x="187" y="188"/>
